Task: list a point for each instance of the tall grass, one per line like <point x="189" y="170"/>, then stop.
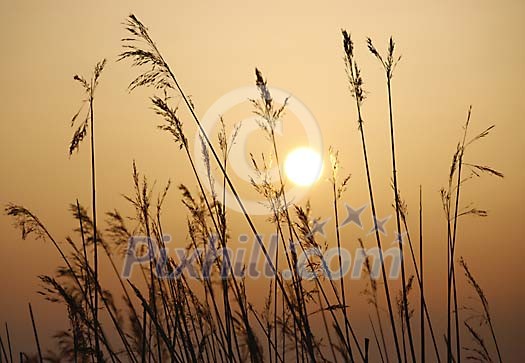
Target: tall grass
<point x="389" y="65"/>
<point x="356" y="88"/>
<point x="451" y="204"/>
<point x="35" y="332"/>
<point x="214" y="318"/>
<point x="89" y="121"/>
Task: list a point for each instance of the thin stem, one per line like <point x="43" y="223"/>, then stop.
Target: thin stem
<point x="227" y="307"/>
<point x="330" y="342"/>
<point x="398" y="223"/>
<point x="94" y="211"/>
<point x="336" y="215"/>
<point x="87" y="277"/>
<point x="302" y="304"/>
<point x="4" y="354"/>
<point x="378" y="238"/>
<point x="418" y="277"/>
<point x="455" y="302"/>
<point x="35" y="332"/>
<point x="376" y="339"/>
<point x="9" y="343"/>
<point x="452" y="274"/>
<point x="421" y="281"/>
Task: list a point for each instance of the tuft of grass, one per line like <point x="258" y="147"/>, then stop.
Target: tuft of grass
<point x="451" y="205"/>
<point x="485" y="318"/>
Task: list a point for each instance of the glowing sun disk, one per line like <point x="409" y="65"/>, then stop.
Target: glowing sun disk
<point x="303" y="166"/>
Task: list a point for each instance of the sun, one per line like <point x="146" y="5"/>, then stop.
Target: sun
<point x="303" y="166"/>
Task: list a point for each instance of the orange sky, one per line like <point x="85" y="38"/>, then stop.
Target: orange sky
<point x="454" y="54"/>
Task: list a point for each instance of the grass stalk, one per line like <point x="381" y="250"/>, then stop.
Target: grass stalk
<point x="389" y="65"/>
<point x="82" y="217"/>
<point x="356" y="83"/>
<point x="79" y="135"/>
<point x="418" y="277"/>
<point x="94" y="211"/>
<point x="4" y="353"/>
<point x="35" y="333"/>
<point x="9" y="343"/>
<point x="451" y="281"/>
<point x="86" y="276"/>
<point x="378" y="345"/>
<point x="421" y="279"/>
<point x="486" y="316"/>
<point x="336" y="196"/>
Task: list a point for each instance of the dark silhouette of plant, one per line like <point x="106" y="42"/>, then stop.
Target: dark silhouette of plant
<point x="89" y="121"/>
<point x="356" y="89"/>
<point x="195" y="307"/>
<point x="484" y="319"/>
<point x="451" y="204"/>
<point x="389" y="64"/>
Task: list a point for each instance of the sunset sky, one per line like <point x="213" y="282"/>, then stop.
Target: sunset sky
<point x="454" y="54"/>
